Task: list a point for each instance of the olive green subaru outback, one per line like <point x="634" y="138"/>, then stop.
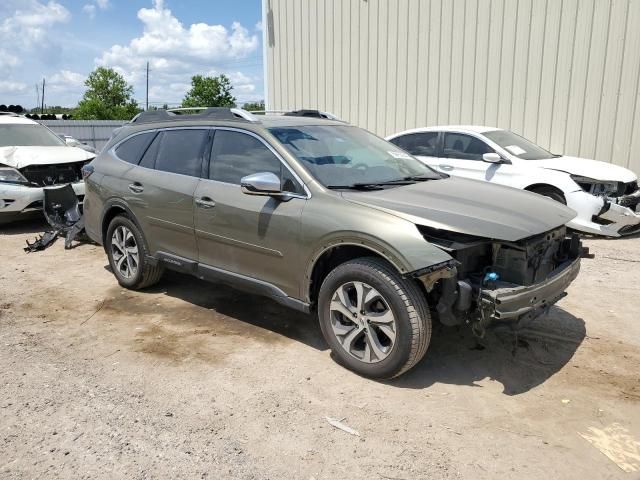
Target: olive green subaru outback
<point x="325" y="217"/>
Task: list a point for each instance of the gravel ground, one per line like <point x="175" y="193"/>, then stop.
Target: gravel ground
<point x="195" y="380"/>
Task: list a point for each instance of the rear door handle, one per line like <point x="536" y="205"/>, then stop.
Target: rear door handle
<point x="205" y="202"/>
<point x="136" y="187"/>
<point x="444" y="166"/>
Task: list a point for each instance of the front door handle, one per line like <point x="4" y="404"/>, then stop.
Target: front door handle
<point x="445" y="167"/>
<point x="136" y="187"/>
<point x="205" y="202"/>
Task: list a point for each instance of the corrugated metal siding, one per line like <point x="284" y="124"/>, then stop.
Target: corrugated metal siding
<point x="92" y="132"/>
<point x="563" y="73"/>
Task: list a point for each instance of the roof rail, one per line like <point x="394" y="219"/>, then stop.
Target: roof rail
<point x="300" y="113"/>
<point x="205" y="113"/>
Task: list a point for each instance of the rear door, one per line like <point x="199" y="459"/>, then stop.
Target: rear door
<point x="254" y="236"/>
<point x="162" y="186"/>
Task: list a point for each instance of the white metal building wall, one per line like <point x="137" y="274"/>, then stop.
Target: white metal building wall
<point x="564" y="73"/>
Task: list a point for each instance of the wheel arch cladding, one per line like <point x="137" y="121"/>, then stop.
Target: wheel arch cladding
<point x="112" y="210"/>
<point x="338" y="252"/>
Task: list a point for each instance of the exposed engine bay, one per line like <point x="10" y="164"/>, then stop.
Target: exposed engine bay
<point x="623" y="194"/>
<point x="493" y="280"/>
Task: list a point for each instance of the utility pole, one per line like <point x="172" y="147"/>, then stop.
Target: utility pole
<point x="42" y="106"/>
<point x="147" y="109"/>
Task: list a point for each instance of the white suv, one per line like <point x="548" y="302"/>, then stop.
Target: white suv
<point x="33" y="157"/>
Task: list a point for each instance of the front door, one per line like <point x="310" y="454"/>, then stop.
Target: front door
<point x="254" y="236"/>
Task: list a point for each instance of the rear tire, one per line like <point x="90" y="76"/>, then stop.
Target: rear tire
<point x="376" y="322"/>
<point x="127" y="252"/>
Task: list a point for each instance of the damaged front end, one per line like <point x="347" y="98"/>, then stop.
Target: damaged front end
<point x="620" y="214"/>
<point x="499" y="281"/>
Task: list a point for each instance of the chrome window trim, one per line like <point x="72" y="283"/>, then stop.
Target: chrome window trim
<point x="112" y="151"/>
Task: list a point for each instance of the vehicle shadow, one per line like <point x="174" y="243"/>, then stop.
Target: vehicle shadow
<point x="454" y="356"/>
<point x="31" y="224"/>
<point x="519" y="362"/>
<point x="242" y="307"/>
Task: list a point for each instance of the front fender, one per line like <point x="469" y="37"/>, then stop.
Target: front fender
<point x="540" y="176"/>
<point x="391" y="237"/>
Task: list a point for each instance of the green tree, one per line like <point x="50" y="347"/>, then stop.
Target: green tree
<point x="209" y="92"/>
<point x="254" y="106"/>
<point x="108" y="97"/>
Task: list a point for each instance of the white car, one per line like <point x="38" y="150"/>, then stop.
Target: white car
<point x="605" y="196"/>
<point x="33" y="157"/>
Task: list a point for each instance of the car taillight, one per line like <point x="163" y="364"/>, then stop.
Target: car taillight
<point x="87" y="170"/>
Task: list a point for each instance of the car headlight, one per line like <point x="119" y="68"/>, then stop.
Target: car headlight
<point x="11" y="175"/>
<point x="596" y="187"/>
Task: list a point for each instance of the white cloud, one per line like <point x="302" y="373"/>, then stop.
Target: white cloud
<point x="67" y="78"/>
<point x="25" y="27"/>
<point x="166" y="37"/>
<point x="90" y="10"/>
<point x="30" y="23"/>
<point x="7" y="60"/>
<point x="176" y="52"/>
<point x="8" y="86"/>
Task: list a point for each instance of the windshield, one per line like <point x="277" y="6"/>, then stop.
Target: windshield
<point x="28" y="136"/>
<point x="346" y="156"/>
<point x="517" y="146"/>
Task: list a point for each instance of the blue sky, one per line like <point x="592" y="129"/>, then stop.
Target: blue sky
<point x="64" y="40"/>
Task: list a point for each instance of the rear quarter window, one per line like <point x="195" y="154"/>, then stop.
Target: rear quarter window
<point x="133" y="147"/>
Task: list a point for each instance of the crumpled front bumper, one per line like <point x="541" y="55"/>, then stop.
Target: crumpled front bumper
<point x="602" y="217"/>
<point x="523" y="304"/>
<point x="16" y="199"/>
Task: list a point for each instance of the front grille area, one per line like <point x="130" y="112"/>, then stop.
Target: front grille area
<point x="59" y="174"/>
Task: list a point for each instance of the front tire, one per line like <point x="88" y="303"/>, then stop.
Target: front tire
<point x="376" y="322"/>
<point x="127" y="254"/>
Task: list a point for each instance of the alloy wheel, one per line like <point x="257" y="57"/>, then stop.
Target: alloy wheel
<point x="362" y="322"/>
<point x="124" y="251"/>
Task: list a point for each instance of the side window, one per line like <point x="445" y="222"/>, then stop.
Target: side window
<point x="465" y="147"/>
<point x="235" y="155"/>
<point x="425" y="143"/>
<point x="180" y="151"/>
<point x="132" y="148"/>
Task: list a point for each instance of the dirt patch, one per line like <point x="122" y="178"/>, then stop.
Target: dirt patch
<point x="195" y="380"/>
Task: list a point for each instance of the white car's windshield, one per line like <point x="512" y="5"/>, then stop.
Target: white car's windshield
<point x="28" y="136"/>
<point x="518" y="146"/>
<point x="349" y="157"/>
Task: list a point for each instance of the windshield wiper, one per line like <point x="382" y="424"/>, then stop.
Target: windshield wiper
<point x="423" y="178"/>
<point x="356" y="186"/>
<point x="407" y="180"/>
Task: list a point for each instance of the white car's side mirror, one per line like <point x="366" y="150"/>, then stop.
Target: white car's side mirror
<point x="492" y="158"/>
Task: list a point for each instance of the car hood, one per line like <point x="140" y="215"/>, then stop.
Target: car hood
<point x="587" y="168"/>
<point x="469" y="206"/>
<point x="19" y="157"/>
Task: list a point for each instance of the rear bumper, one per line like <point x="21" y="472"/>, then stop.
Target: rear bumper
<point x="523" y="304"/>
<point x="15" y="199"/>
